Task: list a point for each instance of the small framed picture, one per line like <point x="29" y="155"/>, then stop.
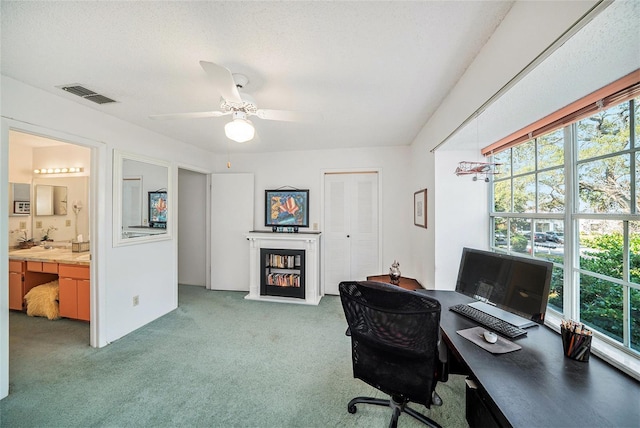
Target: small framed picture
<point x="420" y="208"/>
<point x="21" y="207"/>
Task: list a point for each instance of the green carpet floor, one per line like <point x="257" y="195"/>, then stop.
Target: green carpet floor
<point x="217" y="361"/>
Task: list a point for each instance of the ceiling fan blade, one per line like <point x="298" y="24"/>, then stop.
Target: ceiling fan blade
<point x="287" y="116"/>
<point x="223" y="81"/>
<point x="195" y="115"/>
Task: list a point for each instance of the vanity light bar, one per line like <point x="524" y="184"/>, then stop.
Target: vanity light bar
<point x="58" y="170"/>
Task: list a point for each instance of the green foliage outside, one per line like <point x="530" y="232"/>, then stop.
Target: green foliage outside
<point x="601" y="302"/>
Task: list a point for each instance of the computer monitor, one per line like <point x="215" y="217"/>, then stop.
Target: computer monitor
<point x="506" y="285"/>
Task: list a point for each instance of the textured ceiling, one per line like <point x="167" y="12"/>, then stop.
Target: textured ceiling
<point x="373" y="71"/>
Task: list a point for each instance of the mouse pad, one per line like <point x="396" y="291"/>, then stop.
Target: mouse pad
<point x="502" y="346"/>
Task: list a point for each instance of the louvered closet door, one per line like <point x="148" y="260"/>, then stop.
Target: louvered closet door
<point x="351" y="247"/>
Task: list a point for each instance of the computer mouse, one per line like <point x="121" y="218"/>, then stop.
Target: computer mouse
<point x="490" y="337"/>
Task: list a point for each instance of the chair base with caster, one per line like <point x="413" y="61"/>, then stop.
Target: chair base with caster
<point x="398" y="405"/>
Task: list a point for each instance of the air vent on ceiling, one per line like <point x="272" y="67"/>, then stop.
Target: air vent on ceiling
<point x="87" y="94"/>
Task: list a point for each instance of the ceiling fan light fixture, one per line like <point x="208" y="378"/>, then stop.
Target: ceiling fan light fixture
<point x="239" y="129"/>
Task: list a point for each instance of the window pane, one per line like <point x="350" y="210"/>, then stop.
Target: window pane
<point x="502" y="196"/>
<point x="556" y="290"/>
<point x="601" y="306"/>
<point x="634" y="251"/>
<point x="524" y="194"/>
<point x="504" y="159"/>
<point x="548" y="244"/>
<point x="635" y="319"/>
<point x="637" y="211"/>
<point x="605" y="132"/>
<point x="601" y="247"/>
<point x="500" y="232"/>
<point x="604" y="185"/>
<point x="524" y="157"/>
<point x="520" y="235"/>
<point x="551" y="149"/>
<point x="551" y="191"/>
<point x="636" y="104"/>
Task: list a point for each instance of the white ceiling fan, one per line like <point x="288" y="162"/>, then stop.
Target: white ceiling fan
<point x="240" y="105"/>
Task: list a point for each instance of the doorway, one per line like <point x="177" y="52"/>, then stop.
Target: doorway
<point x="56" y="176"/>
<point x="351" y="227"/>
<point x="192" y="227"/>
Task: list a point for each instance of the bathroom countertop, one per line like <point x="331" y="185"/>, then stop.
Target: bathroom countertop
<point x="53" y="255"/>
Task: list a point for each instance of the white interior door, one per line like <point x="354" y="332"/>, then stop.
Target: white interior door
<point x="232" y="199"/>
<point x="351" y="228"/>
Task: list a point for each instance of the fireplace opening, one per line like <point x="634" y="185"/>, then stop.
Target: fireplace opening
<point x="282" y="273"/>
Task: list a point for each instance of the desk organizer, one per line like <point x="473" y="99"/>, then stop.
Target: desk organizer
<point x="576" y="342"/>
<point x="80" y="247"/>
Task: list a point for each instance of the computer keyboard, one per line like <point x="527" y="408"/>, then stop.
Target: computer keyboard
<point x="489" y="321"/>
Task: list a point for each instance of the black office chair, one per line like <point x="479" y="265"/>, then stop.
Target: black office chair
<point x="394" y="343"/>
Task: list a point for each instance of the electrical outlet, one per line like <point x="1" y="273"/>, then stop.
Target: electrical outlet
<point x="23" y="225"/>
<point x="67" y="223"/>
<point x="136" y="300"/>
<point x="38" y="225"/>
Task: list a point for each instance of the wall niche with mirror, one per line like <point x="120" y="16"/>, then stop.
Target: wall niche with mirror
<point x="141" y="199"/>
<point x="19" y="199"/>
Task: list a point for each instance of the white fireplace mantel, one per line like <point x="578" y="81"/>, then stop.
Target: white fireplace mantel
<point x="310" y="242"/>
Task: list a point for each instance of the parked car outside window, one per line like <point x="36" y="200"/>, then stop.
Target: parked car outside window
<point x="554" y="237"/>
<point x="540" y="237"/>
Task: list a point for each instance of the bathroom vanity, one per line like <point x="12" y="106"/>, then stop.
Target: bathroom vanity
<point x="35" y="266"/>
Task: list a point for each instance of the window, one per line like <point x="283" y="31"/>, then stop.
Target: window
<point x="591" y="235"/>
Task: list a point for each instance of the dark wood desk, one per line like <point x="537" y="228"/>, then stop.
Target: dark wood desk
<point x="537" y="386"/>
<point x="408" y="283"/>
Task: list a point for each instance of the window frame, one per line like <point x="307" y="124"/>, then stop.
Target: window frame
<point x="620" y="354"/>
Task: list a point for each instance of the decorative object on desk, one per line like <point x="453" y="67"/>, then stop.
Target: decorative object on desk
<point x="394" y="272"/>
<point x="476" y="335"/>
<point x="420" y="208"/>
<point x="576" y="340"/>
<point x="286" y="209"/>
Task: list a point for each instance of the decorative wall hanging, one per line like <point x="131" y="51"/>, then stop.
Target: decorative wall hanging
<point x="420" y="208"/>
<point x="482" y="169"/>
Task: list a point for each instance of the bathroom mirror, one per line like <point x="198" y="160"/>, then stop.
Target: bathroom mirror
<point x="51" y="200"/>
<point x="135" y="177"/>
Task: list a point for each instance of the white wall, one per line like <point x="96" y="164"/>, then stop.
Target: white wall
<point x="304" y="170"/>
<point x="455" y="199"/>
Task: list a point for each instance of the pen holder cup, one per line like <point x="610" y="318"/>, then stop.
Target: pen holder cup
<point x="576" y="346"/>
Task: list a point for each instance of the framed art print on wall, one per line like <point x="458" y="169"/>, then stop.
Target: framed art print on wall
<point x="420" y="208"/>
